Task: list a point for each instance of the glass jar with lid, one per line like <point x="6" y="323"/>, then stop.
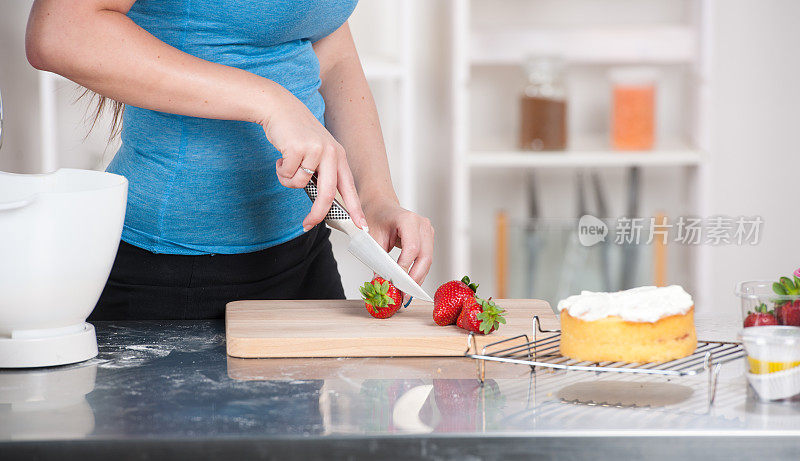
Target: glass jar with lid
<point x="543" y="106"/>
<point x="633" y="123"/>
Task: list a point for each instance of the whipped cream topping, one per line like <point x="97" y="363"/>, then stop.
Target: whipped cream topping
<point x="641" y="304"/>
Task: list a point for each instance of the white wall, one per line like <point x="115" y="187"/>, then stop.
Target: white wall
<point x="756" y="116"/>
<point x="19" y="84"/>
<point x="78" y="146"/>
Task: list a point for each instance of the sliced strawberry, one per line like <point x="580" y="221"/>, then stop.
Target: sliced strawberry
<point x="381" y="298"/>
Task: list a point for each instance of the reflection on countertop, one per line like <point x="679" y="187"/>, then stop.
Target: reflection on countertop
<point x="48" y="403"/>
<point x="173" y="380"/>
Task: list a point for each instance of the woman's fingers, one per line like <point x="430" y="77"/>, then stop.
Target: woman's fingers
<point x="326" y="189"/>
<point x="293" y="176"/>
<point x="424" y="259"/>
<point x="298" y="181"/>
<point x="347" y="188"/>
<point x="333" y="173"/>
<point x="382" y="238"/>
<point x="416" y="240"/>
<point x="288" y="165"/>
<point x="411" y="243"/>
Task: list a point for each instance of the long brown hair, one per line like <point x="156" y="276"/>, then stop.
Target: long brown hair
<point x="101" y="103"/>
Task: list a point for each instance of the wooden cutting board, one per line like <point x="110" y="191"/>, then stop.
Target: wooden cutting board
<point x="343" y="328"/>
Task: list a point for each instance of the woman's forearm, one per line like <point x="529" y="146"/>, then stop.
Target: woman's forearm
<point x="96" y="45"/>
<point x="352" y="118"/>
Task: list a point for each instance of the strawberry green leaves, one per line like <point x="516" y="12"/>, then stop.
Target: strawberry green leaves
<point x="763" y="309"/>
<point x="376" y="294"/>
<point x="491" y="317"/>
<point x="787" y="286"/>
<point x="472" y="286"/>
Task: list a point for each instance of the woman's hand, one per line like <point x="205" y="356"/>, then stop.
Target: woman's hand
<point x="305" y="144"/>
<point x="351" y="116"/>
<point x="393" y="226"/>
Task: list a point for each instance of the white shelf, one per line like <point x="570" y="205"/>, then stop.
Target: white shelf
<point x="381" y="69"/>
<point x="486" y="45"/>
<point x="584" y="159"/>
<point x="640" y="45"/>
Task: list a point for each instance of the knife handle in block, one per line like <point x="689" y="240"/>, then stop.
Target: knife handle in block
<point x="337" y="218"/>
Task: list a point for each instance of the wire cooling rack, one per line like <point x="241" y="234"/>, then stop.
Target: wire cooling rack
<point x="543" y="351"/>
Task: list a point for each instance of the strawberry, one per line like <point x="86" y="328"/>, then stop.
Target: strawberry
<point x="449" y="299"/>
<point x="381" y="298"/>
<point x="481" y="316"/>
<point x="761" y="316"/>
<point x="463" y="404"/>
<point x="457" y="401"/>
<point x="788" y="312"/>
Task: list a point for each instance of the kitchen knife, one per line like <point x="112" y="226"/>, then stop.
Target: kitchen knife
<point x="366" y="249"/>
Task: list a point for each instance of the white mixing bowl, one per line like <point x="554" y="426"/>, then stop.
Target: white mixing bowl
<point x="59" y="235"/>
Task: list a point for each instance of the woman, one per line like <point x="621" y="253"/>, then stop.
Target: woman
<point x="230" y="107"/>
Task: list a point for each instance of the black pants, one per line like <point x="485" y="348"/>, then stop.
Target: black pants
<point x="145" y="285"/>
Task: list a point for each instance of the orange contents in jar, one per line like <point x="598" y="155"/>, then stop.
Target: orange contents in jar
<point x="633" y="117"/>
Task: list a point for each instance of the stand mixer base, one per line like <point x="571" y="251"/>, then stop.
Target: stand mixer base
<point x="49" y="351"/>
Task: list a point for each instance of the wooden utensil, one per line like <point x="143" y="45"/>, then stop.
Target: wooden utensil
<point x="501" y="252"/>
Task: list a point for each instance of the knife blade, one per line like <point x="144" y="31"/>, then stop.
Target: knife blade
<point x="366" y="249"/>
<point x="372" y="254"/>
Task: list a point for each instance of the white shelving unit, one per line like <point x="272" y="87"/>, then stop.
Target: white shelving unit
<point x="596" y="159"/>
<point x="635" y="45"/>
<point x="399" y="71"/>
<point x="484" y="47"/>
<point x="48" y="121"/>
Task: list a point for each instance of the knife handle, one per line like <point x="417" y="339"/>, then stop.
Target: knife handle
<point x="337" y="217"/>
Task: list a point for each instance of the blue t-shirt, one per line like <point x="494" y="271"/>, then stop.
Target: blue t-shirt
<point x="199" y="186"/>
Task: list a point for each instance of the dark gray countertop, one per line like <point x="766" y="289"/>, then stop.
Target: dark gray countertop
<point x="167" y="389"/>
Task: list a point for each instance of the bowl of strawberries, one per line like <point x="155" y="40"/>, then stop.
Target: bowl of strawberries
<point x="770" y="303"/>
